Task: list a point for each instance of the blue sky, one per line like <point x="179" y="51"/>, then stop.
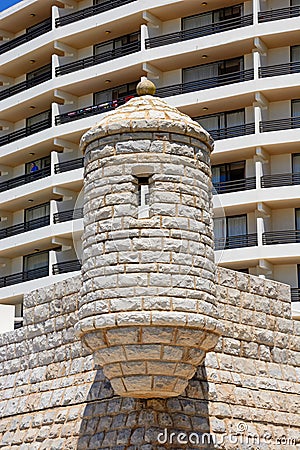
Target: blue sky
<point x="7" y="3"/>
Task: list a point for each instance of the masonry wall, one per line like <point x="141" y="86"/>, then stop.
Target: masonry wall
<point x="246" y="393"/>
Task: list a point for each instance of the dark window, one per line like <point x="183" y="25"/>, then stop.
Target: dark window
<point x="297" y="219"/>
<point x="38" y="72"/>
<point x="210" y="17"/>
<point x="40" y="163"/>
<point x="35" y="261"/>
<point x="295" y="53"/>
<point x="113" y="44"/>
<point x="45" y="115"/>
<point x="36" y="212"/>
<point x="222" y="120"/>
<point x="115" y="93"/>
<point x="228" y="172"/>
<point x="296" y="108"/>
<point x="211" y="70"/>
<point x="296" y="163"/>
<point x="230" y="226"/>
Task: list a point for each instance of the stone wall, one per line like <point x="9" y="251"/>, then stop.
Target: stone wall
<point x="53" y="398"/>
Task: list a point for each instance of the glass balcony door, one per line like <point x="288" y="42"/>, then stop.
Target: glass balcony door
<point x="32" y="263"/>
<point x="36" y="212"/>
<point x="115" y="93"/>
<point x="214" y="69"/>
<point x="211" y="17"/>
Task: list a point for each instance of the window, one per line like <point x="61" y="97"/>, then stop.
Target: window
<point x="36" y="212"/>
<point x="223" y="120"/>
<point x="40" y="163"/>
<point x="231" y="232"/>
<point x="297" y="219"/>
<point x="296" y="163"/>
<point x="295" y="108"/>
<point x="228" y="172"/>
<point x="34" y="261"/>
<point x="33" y="120"/>
<point x="295" y="52"/>
<point x="38" y="72"/>
<point x="211" y="17"/>
<point x="109" y="95"/>
<point x="116" y="43"/>
<point x="143" y="200"/>
<point x="215" y="69"/>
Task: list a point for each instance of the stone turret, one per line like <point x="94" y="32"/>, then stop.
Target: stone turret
<point x="148" y="309"/>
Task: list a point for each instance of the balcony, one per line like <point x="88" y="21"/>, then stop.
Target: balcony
<point x="281" y="237"/>
<point x="279" y="124"/>
<point x="279" y="69"/>
<point x="231" y="132"/>
<point x="239" y="241"/>
<point x="213" y="28"/>
<point x="90" y="11"/>
<point x="278" y="14"/>
<point x="280" y="179"/>
<point x="90" y="110"/>
<point x="98" y="59"/>
<point x="21" y="277"/>
<point x="68" y="165"/>
<point x="65" y="216"/>
<point x="37" y="30"/>
<point x="25" y="179"/>
<point x="25" y="226"/>
<point x="20" y="87"/>
<point x="24" y="132"/>
<point x="66" y="266"/>
<point x="295" y="295"/>
<point x="198" y="85"/>
<point x="223" y="187"/>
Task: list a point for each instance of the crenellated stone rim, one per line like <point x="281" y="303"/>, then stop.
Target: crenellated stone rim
<point x="145" y="113"/>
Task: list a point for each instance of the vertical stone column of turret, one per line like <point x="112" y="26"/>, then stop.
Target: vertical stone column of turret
<point x="148" y="310"/>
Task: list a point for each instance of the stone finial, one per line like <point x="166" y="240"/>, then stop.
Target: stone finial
<point x="145" y="87"/>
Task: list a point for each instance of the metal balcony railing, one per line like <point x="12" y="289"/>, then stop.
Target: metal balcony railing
<point x="243" y="240"/>
<point x="27" y="131"/>
<point x="66" y="266"/>
<point x="24" y="226"/>
<point x="198" y="85"/>
<point x="98" y="59"/>
<point x="279" y="124"/>
<point x="206" y="30"/>
<point x="68" y="165"/>
<point x="91" y="110"/>
<point x="36" y="31"/>
<point x="24" y="179"/>
<point x="280" y="179"/>
<point x="279" y="69"/>
<point x="281" y="237"/>
<point x="231" y="132"/>
<point x="90" y="11"/>
<point x="21" y="277"/>
<point x="65" y="216"/>
<point x="236" y="185"/>
<point x="278" y="14"/>
<point x="20" y="87"/>
<point x="295" y="294"/>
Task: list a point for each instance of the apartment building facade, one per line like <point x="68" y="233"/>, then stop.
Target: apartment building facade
<point x="232" y="66"/>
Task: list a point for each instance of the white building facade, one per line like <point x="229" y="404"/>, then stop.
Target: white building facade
<point x="232" y="66"/>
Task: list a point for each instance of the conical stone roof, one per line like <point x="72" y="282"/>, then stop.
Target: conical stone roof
<point x="145" y="113"/>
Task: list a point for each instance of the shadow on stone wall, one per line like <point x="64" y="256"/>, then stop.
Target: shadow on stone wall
<point x="112" y="422"/>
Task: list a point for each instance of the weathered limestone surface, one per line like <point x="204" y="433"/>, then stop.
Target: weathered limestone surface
<point x="53" y="398"/>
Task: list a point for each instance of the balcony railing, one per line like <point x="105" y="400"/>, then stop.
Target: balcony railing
<point x="279" y="124"/>
<point x="20" y="87"/>
<point x="281" y="237"/>
<point x="279" y="69"/>
<point x="206" y="30"/>
<point x="65" y="216"/>
<point x="98" y="59"/>
<point x="198" y="85"/>
<point x="278" y="14"/>
<point x="236" y="185"/>
<point x="24" y="179"/>
<point x="280" y="179"/>
<point x="243" y="240"/>
<point x="90" y="110"/>
<point x="25" y="226"/>
<point x="21" y="277"/>
<point x="295" y="294"/>
<point x="23" y="132"/>
<point x="68" y="165"/>
<point x="90" y="11"/>
<point x="231" y="132"/>
<point x="66" y="266"/>
<point x="36" y="31"/>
